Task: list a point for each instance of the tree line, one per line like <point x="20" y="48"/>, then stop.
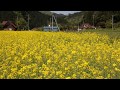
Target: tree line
<point x="101" y="19"/>
<point x="20" y="18"/>
<point x="37" y="19"/>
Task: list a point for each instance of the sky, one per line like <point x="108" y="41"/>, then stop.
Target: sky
<point x="65" y="12"/>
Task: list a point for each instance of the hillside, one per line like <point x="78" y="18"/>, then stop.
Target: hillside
<point x="52" y="13"/>
<point x="98" y="18"/>
<point x="46" y="12"/>
<point x="36" y="18"/>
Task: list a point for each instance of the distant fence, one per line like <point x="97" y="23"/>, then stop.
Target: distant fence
<point x="49" y="28"/>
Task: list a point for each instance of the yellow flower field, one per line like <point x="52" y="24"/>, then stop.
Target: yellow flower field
<point x="58" y="55"/>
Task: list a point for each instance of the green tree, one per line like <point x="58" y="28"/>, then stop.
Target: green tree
<point x="1" y="26"/>
<point x="20" y="21"/>
<point x="108" y="24"/>
<point x="22" y="24"/>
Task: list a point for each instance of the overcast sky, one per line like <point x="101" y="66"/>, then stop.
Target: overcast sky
<point x="65" y="12"/>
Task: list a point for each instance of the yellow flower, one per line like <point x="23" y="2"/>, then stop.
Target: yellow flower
<point x="114" y="65"/>
<point x="105" y="67"/>
<point x="108" y="76"/>
<point x="58" y="54"/>
<point x="10" y="76"/>
<point x="15" y="58"/>
<point x="14" y="69"/>
<point x="73" y="52"/>
<point x="74" y="76"/>
<point x="66" y="68"/>
<point x="76" y="62"/>
<point x="118" y="60"/>
<point x="45" y="73"/>
<point x="19" y="72"/>
<point x="69" y="56"/>
<point x="99" y="77"/>
<point x="61" y="76"/>
<point x="24" y="56"/>
<point x="33" y="74"/>
<point x="49" y="61"/>
<point x="1" y="76"/>
<point x="68" y="77"/>
<point x="47" y="53"/>
<point x="116" y="69"/>
<point x="58" y="72"/>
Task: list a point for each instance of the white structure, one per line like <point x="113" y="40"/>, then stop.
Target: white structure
<point x="52" y="27"/>
<point x="10" y="29"/>
<point x="79" y="28"/>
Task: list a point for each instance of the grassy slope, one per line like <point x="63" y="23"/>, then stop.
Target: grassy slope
<point x="113" y="34"/>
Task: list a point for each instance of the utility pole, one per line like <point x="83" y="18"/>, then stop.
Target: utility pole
<point x="78" y="25"/>
<point x="52" y="22"/>
<point x="28" y="22"/>
<point x="28" y="18"/>
<point x="112" y="22"/>
<point x="83" y="21"/>
<point x="93" y="19"/>
<point x="17" y="22"/>
<point x="56" y="22"/>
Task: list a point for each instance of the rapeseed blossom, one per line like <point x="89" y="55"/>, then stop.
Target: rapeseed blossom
<point x="58" y="55"/>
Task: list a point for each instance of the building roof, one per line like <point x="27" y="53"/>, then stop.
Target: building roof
<point x="4" y="23"/>
<point x="86" y="25"/>
<point x="7" y="23"/>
